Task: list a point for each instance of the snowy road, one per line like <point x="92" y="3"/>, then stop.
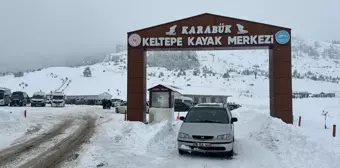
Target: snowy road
<point x="48" y="148"/>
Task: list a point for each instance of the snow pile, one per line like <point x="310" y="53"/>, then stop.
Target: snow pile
<point x="291" y="146"/>
<point x="130" y="143"/>
<point x="164" y="141"/>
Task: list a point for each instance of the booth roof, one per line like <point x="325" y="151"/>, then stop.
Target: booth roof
<point x="198" y="90"/>
<point x="204" y="91"/>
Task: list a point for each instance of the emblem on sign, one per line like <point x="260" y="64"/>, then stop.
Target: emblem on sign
<point x="172" y="31"/>
<point x="135" y="40"/>
<point x="282" y="37"/>
<point x="240" y="29"/>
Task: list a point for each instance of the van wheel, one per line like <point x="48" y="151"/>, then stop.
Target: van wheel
<point x="181" y="152"/>
<point x="229" y="154"/>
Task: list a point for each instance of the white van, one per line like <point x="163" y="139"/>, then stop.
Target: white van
<point x="58" y="99"/>
<point x="38" y="99"/>
<point x="122" y="108"/>
<point x="5" y="95"/>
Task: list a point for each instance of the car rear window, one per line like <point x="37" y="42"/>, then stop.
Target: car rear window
<point x="207" y="115"/>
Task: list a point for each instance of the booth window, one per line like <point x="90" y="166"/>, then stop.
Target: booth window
<point x="160" y="100"/>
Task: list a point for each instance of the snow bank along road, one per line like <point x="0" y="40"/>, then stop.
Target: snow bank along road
<point x="51" y="148"/>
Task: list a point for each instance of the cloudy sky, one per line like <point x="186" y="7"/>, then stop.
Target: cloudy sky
<point x="40" y="33"/>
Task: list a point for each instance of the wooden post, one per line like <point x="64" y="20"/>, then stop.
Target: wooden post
<point x="299" y="121"/>
<point x="334" y="130"/>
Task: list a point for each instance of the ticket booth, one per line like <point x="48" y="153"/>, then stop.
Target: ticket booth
<point x="161" y="99"/>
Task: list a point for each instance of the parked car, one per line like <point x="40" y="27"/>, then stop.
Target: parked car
<point x="39" y="99"/>
<point x="58" y="99"/>
<point x="208" y="128"/>
<point x="5" y="96"/>
<point x="233" y="106"/>
<point x="116" y="102"/>
<point x="19" y="98"/>
<point x="182" y="106"/>
<point x="122" y="108"/>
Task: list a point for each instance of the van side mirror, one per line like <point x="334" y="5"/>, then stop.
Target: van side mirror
<point x="234" y="119"/>
<point x="182" y="118"/>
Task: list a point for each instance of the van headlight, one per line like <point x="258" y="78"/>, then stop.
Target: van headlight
<point x="183" y="135"/>
<point x="225" y="137"/>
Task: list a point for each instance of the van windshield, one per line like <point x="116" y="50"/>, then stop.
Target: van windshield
<point x="38" y="97"/>
<point x="17" y="95"/>
<point x="1" y="95"/>
<point x="207" y="115"/>
<point x="58" y="97"/>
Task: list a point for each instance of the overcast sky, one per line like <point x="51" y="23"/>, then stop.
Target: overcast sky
<point x="40" y="33"/>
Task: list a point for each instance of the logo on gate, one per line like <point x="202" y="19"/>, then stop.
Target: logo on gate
<point x="282" y="37"/>
<point x="135" y="40"/>
<point x="172" y="31"/>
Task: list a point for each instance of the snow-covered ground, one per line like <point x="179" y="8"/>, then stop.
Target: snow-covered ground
<point x="261" y="141"/>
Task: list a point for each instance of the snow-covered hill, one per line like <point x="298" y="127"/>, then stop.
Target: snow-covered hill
<point x="315" y="63"/>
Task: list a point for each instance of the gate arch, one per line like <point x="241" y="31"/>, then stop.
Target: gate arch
<point x="212" y="32"/>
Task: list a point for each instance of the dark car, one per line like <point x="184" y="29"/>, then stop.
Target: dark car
<point x="19" y="98"/>
<point x="233" y="106"/>
<point x="182" y="106"/>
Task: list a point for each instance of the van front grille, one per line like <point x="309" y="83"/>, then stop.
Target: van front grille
<point x="202" y="137"/>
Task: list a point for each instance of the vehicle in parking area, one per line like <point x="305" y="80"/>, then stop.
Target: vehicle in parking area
<point x="122" y="108"/>
<point x="207" y="128"/>
<point x="5" y="96"/>
<point x="58" y="99"/>
<point x="116" y="102"/>
<point x="39" y="99"/>
<point x="19" y="98"/>
<point x="184" y="99"/>
<point x="182" y="106"/>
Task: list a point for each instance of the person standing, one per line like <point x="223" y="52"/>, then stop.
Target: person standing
<point x="104" y="102"/>
<point x="109" y="104"/>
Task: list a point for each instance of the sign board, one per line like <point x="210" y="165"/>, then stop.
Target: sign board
<point x="215" y="35"/>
